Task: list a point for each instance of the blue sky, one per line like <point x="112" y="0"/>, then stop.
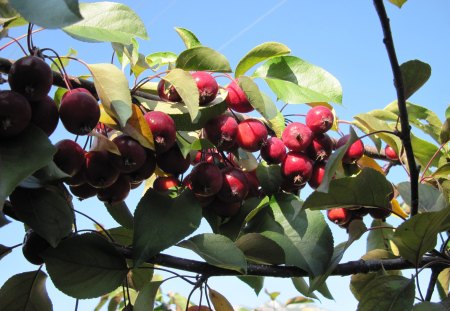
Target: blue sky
<point x="343" y="37"/>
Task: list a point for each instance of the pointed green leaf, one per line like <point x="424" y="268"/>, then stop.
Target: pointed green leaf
<point x="64" y="60"/>
<point x="120" y="235"/>
<point x="15" y="165"/>
<point x="296" y="81"/>
<point x="307" y="230"/>
<point x="398" y="3"/>
<point x="369" y="188"/>
<point x="303" y="287"/>
<point x="255" y="282"/>
<point x="145" y="300"/>
<point x="277" y="124"/>
<point x="431" y="306"/>
<point x="121" y="214"/>
<point x="180" y="113"/>
<point x="424" y="151"/>
<point x="140" y="276"/>
<point x="269" y="176"/>
<point x="430" y="198"/>
<point x="45" y="210"/>
<point x="202" y="58"/>
<point x="217" y="250"/>
<point x="189" y="38"/>
<point x="388" y="292"/>
<point x="260" y="249"/>
<point x="444" y="134"/>
<point x="418" y="235"/>
<point x="25" y="291"/>
<point x="258" y="54"/>
<point x="85" y="266"/>
<point x="64" y="13"/>
<point x="334" y="161"/>
<point x="260" y="101"/>
<point x="159" y="59"/>
<point x="185" y="85"/>
<point x="107" y="22"/>
<point x="112" y="88"/>
<point x="161" y="221"/>
<point x="379" y="238"/>
<point x="415" y="74"/>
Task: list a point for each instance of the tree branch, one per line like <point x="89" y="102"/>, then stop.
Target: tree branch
<point x="348" y="268"/>
<point x="405" y="134"/>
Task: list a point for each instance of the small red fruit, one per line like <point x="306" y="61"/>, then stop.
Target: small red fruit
<point x="225" y="209"/>
<point x="296" y="168"/>
<point x="297" y="136"/>
<point x="167" y="91"/>
<point x="235" y="185"/>
<point x="100" y="173"/>
<point x="207" y="87"/>
<point x="132" y="154"/>
<point x="320" y="148"/>
<point x="15" y="113"/>
<point x="173" y="162"/>
<point x="163" y="184"/>
<point x="251" y="135"/>
<point x="319" y="119"/>
<point x="390" y="153"/>
<point x="317" y="174"/>
<point x="222" y="131"/>
<point x="45" y="115"/>
<point x="236" y="99"/>
<point x="273" y="151"/>
<point x="146" y="170"/>
<point x="253" y="184"/>
<point x="83" y="191"/>
<point x="69" y="156"/>
<point x="340" y="216"/>
<point x="206" y="179"/>
<point x="117" y="192"/>
<point x="354" y="152"/>
<point x="380" y="213"/>
<point x="32" y="247"/>
<point x="163" y="129"/>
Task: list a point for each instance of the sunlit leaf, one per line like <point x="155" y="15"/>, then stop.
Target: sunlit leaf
<point x="219" y="302"/>
<point x="189" y="38"/>
<point x="112" y="88"/>
<point x="202" y="58"/>
<point x="25" y="291"/>
<point x="296" y="81"/>
<point x="379" y="238"/>
<point x="443" y="283"/>
<point x="64" y="13"/>
<point x="63" y="61"/>
<point x="107" y="22"/>
<point x="159" y="59"/>
<point x="430" y="198"/>
<point x="298" y="299"/>
<point x="146" y="299"/>
<point x="398" y="3"/>
<point x="415" y="74"/>
<point x="138" y="128"/>
<point x="258" y="54"/>
<point x="260" y="101"/>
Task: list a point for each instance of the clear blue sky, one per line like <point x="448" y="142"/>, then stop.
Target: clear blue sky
<point x="343" y="37"/>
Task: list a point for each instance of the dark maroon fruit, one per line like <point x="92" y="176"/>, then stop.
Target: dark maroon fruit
<point x="167" y="91"/>
<point x="8" y="210"/>
<point x="100" y="173"/>
<point x="69" y="156"/>
<point x="273" y="151"/>
<point x="380" y="213"/>
<point x="251" y="135"/>
<point x="117" y="192"/>
<point x="225" y="209"/>
<point x="297" y="136"/>
<point x="79" y="178"/>
<point x="83" y="191"/>
<point x="236" y="99"/>
<point x="319" y="119"/>
<point x="235" y="185"/>
<point x="163" y="130"/>
<point x="79" y="112"/>
<point x="222" y="131"/>
<point x="15" y="113"/>
<point x="45" y="115"/>
<point x="206" y="179"/>
<point x="146" y="170"/>
<point x="32" y="77"/>
<point x="290" y="186"/>
<point x="253" y="184"/>
<point x="32" y="247"/>
<point x="132" y="154"/>
<point x="172" y="161"/>
<point x="162" y="184"/>
<point x="207" y="87"/>
<point x="296" y="168"/>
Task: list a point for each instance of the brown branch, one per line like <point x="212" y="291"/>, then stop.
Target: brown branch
<point x="405" y="134"/>
<point x="348" y="268"/>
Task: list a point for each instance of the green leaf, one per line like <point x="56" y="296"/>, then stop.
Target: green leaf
<point x="63" y="13"/>
<point x="7" y="13"/>
<point x="277" y="124"/>
<point x="161" y="221"/>
<point x="64" y="60"/>
<point x="380" y="238"/>
<point x="146" y="298"/>
<point x="180" y="113"/>
<point x="45" y="210"/>
<point x="107" y="22"/>
<point x="334" y="162"/>
<point x="260" y="249"/>
<point x="418" y="234"/>
<point x="140" y="276"/>
<point x="269" y="176"/>
<point x="49" y="174"/>
<point x="430" y="198"/>
<point x="415" y="74"/>
<point x="260" y="101"/>
<point x="15" y="165"/>
<point x="25" y="291"/>
<point x="85" y="266"/>
<point x="430" y="306"/>
<point x="296" y="81"/>
<point x="255" y="282"/>
<point x="388" y="292"/>
<point x="298" y="299"/>
<point x="189" y="38"/>
<point x="356" y="230"/>
<point x="443" y="283"/>
<point x="360" y="280"/>
<point x="444" y="135"/>
<point x="307" y="230"/>
<point x="112" y="88"/>
<point x="121" y="214"/>
<point x="4" y="250"/>
<point x="398" y="3"/>
<point x="121" y="235"/>
<point x="258" y="54"/>
<point x="202" y="58"/>
<point x="369" y="188"/>
<point x="159" y="59"/>
<point x="302" y="287"/>
<point x="419" y="116"/>
<point x="424" y="151"/>
<point x="186" y="87"/>
<point x="217" y="250"/>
